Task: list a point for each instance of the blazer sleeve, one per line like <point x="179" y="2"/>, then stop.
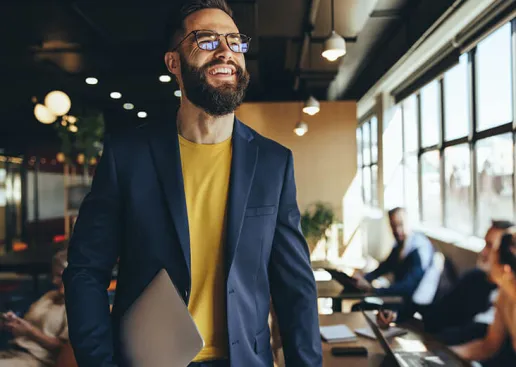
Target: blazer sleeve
<point x="407" y="285"/>
<point x="92" y="253"/>
<point x="387" y="266"/>
<point x="292" y="283"/>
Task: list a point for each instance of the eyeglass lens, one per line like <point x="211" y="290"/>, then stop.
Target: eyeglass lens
<point x="210" y="41"/>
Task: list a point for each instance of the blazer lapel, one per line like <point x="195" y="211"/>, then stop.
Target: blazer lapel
<point x="243" y="165"/>
<point x="164" y="146"/>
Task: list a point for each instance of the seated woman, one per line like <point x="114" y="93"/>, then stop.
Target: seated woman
<point x="40" y="334"/>
<point x="498" y="347"/>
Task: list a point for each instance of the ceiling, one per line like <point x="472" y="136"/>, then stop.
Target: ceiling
<point x="49" y="45"/>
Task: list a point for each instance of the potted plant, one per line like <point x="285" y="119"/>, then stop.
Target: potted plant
<point x="315" y="222"/>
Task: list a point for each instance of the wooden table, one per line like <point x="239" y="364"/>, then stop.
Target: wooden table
<point x="335" y="291"/>
<point x="376" y="354"/>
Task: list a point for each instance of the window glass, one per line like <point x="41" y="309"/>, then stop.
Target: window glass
<point x="430" y="114"/>
<point x="410" y="117"/>
<point x="456" y="100"/>
<point x="411" y="186"/>
<point x="367" y="185"/>
<point x="493" y="83"/>
<point x="359" y="147"/>
<point x="494" y="180"/>
<point x="458" y="188"/>
<point x="431" y="187"/>
<point x="366" y="141"/>
<point x="374" y="140"/>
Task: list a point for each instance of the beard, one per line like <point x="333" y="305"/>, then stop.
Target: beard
<point x="215" y="101"/>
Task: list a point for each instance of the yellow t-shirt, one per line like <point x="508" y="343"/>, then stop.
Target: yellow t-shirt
<point x="206" y="170"/>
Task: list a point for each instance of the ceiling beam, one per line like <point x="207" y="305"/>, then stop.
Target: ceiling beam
<point x="308" y="27"/>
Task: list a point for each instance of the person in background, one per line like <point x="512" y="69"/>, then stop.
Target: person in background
<point x="465" y="312"/>
<point x="40" y="334"/>
<point x="498" y="346"/>
<point x="410" y="257"/>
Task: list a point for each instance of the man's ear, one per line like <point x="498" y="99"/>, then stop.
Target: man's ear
<point x="173" y="63"/>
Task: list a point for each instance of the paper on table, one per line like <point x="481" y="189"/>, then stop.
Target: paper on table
<point x="337" y="334"/>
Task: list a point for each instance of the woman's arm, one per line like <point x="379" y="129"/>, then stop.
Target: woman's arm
<point x="482" y="349"/>
<point x="46" y="341"/>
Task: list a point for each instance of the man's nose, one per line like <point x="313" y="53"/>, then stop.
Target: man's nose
<point x="223" y="52"/>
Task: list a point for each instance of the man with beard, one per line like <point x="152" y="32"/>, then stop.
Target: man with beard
<point x="209" y="200"/>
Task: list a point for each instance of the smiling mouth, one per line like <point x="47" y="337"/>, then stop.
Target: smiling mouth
<point x="222" y="71"/>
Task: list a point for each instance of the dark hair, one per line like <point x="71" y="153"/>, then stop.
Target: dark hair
<point x="501" y="224"/>
<point x="176" y="23"/>
<point x="395" y="210"/>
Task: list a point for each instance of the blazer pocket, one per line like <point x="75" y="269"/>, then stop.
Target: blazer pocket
<point x="262" y="341"/>
<point x="262" y="210"/>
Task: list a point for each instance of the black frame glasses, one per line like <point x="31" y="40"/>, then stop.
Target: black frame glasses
<point x="212" y="45"/>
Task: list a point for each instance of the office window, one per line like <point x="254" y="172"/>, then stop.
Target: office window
<point x="493" y="79"/>
<point x="366" y="141"/>
<point x="411" y="186"/>
<point x="410" y="122"/>
<point x="495" y="162"/>
<point x="456" y="100"/>
<point x="359" y="148"/>
<point x="374" y="140"/>
<point x="431" y="187"/>
<point x="430" y="114"/>
<point x="458" y="188"/>
<point x="367" y="160"/>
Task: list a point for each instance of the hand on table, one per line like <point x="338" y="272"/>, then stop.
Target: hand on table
<point x="384" y="318"/>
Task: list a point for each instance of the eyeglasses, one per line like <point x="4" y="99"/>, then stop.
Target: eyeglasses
<point x="209" y="41"/>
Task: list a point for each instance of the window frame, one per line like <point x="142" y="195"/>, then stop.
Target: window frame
<point x="361" y="167"/>
<point x="471" y="139"/>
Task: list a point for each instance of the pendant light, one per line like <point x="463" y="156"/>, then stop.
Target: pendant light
<point x="335" y="45"/>
<point x="312" y="106"/>
<point x="301" y="128"/>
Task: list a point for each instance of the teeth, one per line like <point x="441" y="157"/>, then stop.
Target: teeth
<point x="226" y="71"/>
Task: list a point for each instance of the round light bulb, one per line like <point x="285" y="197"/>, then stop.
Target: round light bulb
<point x="128" y="106"/>
<point x="44" y="114"/>
<point x="165" y="78"/>
<point x="142" y="114"/>
<point x="178" y="93"/>
<point x="58" y="102"/>
<point x="116" y="95"/>
<point x="92" y="81"/>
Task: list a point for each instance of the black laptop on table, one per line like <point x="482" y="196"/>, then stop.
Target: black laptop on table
<point x="433" y="358"/>
<point x="349" y="284"/>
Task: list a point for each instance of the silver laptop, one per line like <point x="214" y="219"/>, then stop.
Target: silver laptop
<point x="158" y="330"/>
<point x="411" y="359"/>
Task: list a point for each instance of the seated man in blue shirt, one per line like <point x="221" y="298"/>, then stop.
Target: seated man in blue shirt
<point x="410" y="257"/>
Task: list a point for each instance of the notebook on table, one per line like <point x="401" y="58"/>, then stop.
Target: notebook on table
<point x="337" y="334"/>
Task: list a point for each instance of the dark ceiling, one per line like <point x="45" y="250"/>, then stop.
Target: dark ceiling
<point x="48" y="45"/>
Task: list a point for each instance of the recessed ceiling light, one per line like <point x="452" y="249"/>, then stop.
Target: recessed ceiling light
<point x="116" y="95"/>
<point x="178" y="93"/>
<point x="128" y="106"/>
<point x="165" y="78"/>
<point x="91" y="81"/>
<point x="142" y="114"/>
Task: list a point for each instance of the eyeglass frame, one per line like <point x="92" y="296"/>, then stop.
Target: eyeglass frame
<point x="194" y="32"/>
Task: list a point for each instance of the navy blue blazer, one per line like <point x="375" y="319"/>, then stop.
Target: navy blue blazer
<point x="136" y="212"/>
